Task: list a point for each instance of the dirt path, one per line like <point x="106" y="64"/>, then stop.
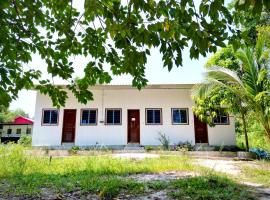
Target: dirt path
<point x="233" y="167"/>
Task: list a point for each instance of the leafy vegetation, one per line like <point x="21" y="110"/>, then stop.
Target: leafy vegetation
<point x="241" y="89"/>
<point x="25" y="140"/>
<point x="124" y="33"/>
<point x="256" y="135"/>
<point x="164" y="140"/>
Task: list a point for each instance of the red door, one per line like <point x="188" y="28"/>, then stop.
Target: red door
<point x="201" y="135"/>
<point x="68" y="134"/>
<point x="134" y="126"/>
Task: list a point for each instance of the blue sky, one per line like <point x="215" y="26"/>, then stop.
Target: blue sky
<point x="190" y="72"/>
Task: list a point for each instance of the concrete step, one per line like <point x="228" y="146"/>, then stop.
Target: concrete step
<point x="203" y="147"/>
<point x="134" y="147"/>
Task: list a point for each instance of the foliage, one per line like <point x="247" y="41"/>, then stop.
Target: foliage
<point x="25" y="140"/>
<point x="74" y="149"/>
<point x="164" y="140"/>
<point x="9" y="115"/>
<point x="246" y="19"/>
<point x="248" y="87"/>
<point x="105" y="32"/>
<point x="183" y="146"/>
<point x="149" y="148"/>
<point x="257" y="137"/>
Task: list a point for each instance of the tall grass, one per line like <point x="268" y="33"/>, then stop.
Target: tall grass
<point x="12" y="160"/>
<point x="28" y="173"/>
<point x="103" y="175"/>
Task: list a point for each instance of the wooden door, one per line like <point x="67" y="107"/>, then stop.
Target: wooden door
<point x="69" y="122"/>
<point x="201" y="135"/>
<point x="134" y="126"/>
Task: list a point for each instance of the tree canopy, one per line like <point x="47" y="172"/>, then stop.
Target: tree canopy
<point x="243" y="89"/>
<point x="115" y="32"/>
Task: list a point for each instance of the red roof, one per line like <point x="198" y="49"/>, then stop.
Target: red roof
<point x="22" y="120"/>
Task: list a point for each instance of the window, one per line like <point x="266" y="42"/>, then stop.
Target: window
<point x="50" y="117"/>
<point x="9" y="131"/>
<point x="18" y="131"/>
<point x="221" y="118"/>
<point x="88" y="116"/>
<point x="153" y="116"/>
<point x="1" y="126"/>
<point x="179" y="116"/>
<point x="113" y="116"/>
<point x="28" y="131"/>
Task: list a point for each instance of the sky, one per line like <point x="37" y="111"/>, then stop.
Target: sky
<point x="190" y="72"/>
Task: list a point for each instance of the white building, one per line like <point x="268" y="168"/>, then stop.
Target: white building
<point x="120" y="114"/>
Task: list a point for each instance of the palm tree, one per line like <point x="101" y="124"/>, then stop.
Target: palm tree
<point x="251" y="87"/>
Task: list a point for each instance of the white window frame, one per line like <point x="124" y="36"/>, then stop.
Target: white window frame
<point x="49" y="124"/>
<point x="106" y="114"/>
<point x="187" y="116"/>
<point x="161" y="119"/>
<point x="89" y="124"/>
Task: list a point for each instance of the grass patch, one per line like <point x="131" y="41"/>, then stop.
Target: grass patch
<point x="259" y="174"/>
<point x="104" y="176"/>
<point x="208" y="187"/>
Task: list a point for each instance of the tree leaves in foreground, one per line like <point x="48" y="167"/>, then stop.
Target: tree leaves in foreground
<point x="111" y="32"/>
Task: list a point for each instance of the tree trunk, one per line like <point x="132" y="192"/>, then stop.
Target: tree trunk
<point x="245" y="130"/>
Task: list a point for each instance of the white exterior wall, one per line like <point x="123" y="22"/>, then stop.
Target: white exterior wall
<point x="14" y="130"/>
<point x="117" y="134"/>
<point x="222" y="134"/>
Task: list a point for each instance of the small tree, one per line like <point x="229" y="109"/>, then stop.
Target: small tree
<point x="249" y="85"/>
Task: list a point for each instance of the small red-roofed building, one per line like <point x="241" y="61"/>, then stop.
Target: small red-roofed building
<point x="12" y="131"/>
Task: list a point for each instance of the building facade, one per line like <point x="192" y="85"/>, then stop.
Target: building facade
<point x="120" y="114"/>
<point x="12" y="131"/>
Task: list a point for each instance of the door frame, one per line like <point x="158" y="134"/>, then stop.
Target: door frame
<point x="195" y="131"/>
<point x="139" y="125"/>
<point x="74" y="138"/>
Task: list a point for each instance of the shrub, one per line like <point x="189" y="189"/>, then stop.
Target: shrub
<point x="25" y="140"/>
<point x="149" y="148"/>
<point x="184" y="146"/>
<point x="74" y="150"/>
<point x="164" y="140"/>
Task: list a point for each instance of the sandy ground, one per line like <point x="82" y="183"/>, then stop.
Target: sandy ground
<point x="135" y="155"/>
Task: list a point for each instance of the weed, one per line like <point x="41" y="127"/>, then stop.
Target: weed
<point x="25" y="140"/>
<point x="164" y="140"/>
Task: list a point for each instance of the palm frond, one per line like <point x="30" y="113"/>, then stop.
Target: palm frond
<point x="202" y="90"/>
<point x="224" y="75"/>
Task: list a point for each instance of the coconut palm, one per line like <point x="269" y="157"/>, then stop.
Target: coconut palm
<point x="250" y="87"/>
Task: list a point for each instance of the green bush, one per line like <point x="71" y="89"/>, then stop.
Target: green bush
<point x="74" y="150"/>
<point x="256" y="135"/>
<point x="149" y="148"/>
<point x="25" y="140"/>
<point x="184" y="146"/>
